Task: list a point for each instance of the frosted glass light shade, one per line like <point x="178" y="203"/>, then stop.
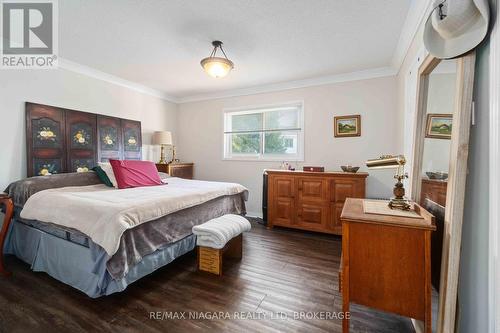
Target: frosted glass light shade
<point x="216" y="66"/>
<point x="162" y="138"/>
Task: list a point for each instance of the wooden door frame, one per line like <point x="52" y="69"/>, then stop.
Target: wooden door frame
<point x="457" y="176"/>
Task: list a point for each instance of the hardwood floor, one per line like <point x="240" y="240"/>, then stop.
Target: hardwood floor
<point x="282" y="271"/>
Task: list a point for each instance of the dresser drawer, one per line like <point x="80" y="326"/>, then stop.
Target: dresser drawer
<point x="283" y="211"/>
<point x="312" y="216"/>
<point x="283" y="187"/>
<point x="433" y="190"/>
<point x="341" y="189"/>
<point x="312" y="189"/>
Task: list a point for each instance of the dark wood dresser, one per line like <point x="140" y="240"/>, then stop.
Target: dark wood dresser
<point x="434" y="190"/>
<point x="311" y="200"/>
<point x="386" y="262"/>
<point x="177" y="169"/>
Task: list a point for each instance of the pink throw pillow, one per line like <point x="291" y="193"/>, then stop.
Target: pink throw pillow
<point x="132" y="173"/>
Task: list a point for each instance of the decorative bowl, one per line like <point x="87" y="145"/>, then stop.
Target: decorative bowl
<point x="349" y="168"/>
<point x="437" y="175"/>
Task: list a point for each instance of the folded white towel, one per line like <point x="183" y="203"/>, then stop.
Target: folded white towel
<point x="217" y="232"/>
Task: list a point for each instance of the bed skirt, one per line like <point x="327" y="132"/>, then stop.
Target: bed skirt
<point x="74" y="265"/>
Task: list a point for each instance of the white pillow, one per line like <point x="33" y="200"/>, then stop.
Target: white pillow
<point x="163" y="175"/>
<point x="108" y="169"/>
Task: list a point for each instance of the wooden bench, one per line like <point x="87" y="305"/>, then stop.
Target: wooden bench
<point x="211" y="260"/>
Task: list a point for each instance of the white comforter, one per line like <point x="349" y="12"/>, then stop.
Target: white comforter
<point x="104" y="213"/>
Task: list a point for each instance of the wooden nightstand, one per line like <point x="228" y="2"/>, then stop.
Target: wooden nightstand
<point x="177" y="169"/>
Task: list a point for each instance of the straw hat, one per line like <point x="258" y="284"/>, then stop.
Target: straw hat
<point x="463" y="27"/>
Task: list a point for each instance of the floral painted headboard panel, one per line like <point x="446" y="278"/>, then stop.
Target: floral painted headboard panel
<point x="60" y="140"/>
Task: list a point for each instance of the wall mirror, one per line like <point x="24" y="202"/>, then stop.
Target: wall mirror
<point x="442" y="124"/>
<point x="438" y="121"/>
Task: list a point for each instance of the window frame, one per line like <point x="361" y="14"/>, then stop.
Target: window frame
<point x="261" y="157"/>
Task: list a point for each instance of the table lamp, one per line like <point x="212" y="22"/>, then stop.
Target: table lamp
<point x="162" y="138"/>
<point x="392" y="162"/>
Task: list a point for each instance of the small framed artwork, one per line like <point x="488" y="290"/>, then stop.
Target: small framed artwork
<point x="439" y="126"/>
<point x="345" y="126"/>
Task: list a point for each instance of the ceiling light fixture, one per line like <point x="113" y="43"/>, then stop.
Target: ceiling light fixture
<point x="217" y="66"/>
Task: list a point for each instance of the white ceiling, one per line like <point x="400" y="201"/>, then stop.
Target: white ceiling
<point x="159" y="44"/>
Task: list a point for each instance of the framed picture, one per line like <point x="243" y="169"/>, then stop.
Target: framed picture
<point x="345" y="126"/>
<point x="439" y="126"/>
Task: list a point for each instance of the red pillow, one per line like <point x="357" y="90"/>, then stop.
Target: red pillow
<point x="130" y="173"/>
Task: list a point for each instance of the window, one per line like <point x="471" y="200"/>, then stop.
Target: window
<point x="267" y="133"/>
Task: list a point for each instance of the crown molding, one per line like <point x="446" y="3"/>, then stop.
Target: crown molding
<point x="419" y="10"/>
<point x="323" y="80"/>
<point x="100" y="75"/>
<point x="274" y="87"/>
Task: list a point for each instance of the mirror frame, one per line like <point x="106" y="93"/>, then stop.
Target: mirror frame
<point x="455" y="194"/>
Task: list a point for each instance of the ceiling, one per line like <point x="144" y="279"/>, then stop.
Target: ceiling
<point x="159" y="44"/>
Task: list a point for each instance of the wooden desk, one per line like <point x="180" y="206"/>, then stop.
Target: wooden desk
<point x="386" y="262"/>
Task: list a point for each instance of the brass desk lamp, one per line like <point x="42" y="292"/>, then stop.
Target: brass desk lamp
<point x="391" y="162"/>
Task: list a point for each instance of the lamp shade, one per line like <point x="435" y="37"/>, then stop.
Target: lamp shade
<point x="386" y="162"/>
<point x="216" y="66"/>
<point x="162" y="138"/>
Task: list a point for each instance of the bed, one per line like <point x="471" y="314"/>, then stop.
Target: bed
<point x="62" y="238"/>
<point x="94" y="238"/>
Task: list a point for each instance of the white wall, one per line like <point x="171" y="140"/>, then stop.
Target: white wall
<point x="473" y="284"/>
<point x="73" y="91"/>
<point x="200" y="133"/>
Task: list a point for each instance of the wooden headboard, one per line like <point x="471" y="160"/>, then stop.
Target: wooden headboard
<point x="60" y="140"/>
